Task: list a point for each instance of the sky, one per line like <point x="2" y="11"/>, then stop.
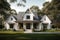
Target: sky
<point x="28" y="4"/>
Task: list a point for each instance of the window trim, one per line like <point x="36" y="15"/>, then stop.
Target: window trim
<point x="28" y="17"/>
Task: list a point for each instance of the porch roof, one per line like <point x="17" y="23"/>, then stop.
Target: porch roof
<point x="29" y="21"/>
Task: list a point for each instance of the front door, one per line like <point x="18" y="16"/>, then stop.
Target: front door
<point x="44" y="27"/>
<point x="28" y="26"/>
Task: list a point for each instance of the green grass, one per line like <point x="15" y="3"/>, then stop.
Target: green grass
<point x="11" y="31"/>
<point x="28" y="36"/>
<point x="53" y="30"/>
<point x="19" y="35"/>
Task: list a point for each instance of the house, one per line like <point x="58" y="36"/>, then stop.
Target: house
<point x="11" y="23"/>
<point x="45" y="23"/>
<point x="28" y="21"/>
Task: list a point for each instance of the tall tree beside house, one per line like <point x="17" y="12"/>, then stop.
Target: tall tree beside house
<point x="35" y="9"/>
<point x="53" y="10"/>
<point x="4" y="10"/>
<point x="17" y="0"/>
<point x="20" y="3"/>
<point x="13" y="12"/>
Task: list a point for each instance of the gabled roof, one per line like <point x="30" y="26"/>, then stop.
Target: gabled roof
<point x="21" y="15"/>
<point x="36" y="17"/>
<point x="11" y="19"/>
<point x="45" y="19"/>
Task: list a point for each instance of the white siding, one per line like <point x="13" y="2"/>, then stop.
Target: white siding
<point x="31" y="17"/>
<point x="45" y="19"/>
<point x="11" y="19"/>
<point x="6" y="25"/>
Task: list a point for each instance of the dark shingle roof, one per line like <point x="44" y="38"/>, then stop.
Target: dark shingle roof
<point x="36" y="18"/>
<point x="21" y="15"/>
<point x="39" y="17"/>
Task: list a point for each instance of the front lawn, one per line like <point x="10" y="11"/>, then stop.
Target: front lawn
<point x="19" y="35"/>
<point x="28" y="36"/>
<point x="53" y="30"/>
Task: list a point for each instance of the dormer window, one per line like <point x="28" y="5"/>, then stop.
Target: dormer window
<point x="11" y="18"/>
<point x="28" y="17"/>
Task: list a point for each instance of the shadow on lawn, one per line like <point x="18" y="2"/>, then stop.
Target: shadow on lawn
<point x="22" y="36"/>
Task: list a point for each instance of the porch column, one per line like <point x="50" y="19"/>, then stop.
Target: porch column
<point x="49" y="26"/>
<point x="40" y="26"/>
<point x="31" y="25"/>
<point x="24" y="26"/>
<point x="6" y="25"/>
<point x="16" y="27"/>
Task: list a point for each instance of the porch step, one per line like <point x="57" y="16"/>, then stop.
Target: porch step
<point x="28" y="31"/>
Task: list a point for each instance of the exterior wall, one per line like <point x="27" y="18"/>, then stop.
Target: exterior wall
<point x="16" y="27"/>
<point x="49" y="26"/>
<point x="11" y="20"/>
<point x="45" y="19"/>
<point x="40" y="26"/>
<point x="6" y="25"/>
<point x="31" y="17"/>
<point x="31" y="26"/>
<point x="24" y="26"/>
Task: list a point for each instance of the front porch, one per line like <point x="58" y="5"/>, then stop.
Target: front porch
<point x="29" y="26"/>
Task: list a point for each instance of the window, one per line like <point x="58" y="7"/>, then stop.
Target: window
<point x="27" y="17"/>
<point x="28" y="26"/>
<point x="11" y="25"/>
<point x="11" y="18"/>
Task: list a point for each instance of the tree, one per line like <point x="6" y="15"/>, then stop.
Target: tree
<point x="21" y="2"/>
<point x="16" y="1"/>
<point x="4" y="10"/>
<point x="35" y="9"/>
<point x="53" y="9"/>
<point x="13" y="12"/>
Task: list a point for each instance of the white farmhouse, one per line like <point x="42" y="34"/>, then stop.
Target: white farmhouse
<point x="28" y="21"/>
<point x="11" y="23"/>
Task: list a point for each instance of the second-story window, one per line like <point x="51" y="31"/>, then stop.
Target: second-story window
<point x="11" y="18"/>
<point x="28" y="17"/>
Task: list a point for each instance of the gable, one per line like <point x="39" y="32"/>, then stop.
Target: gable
<point x="11" y="19"/>
<point x="45" y="19"/>
<point x="28" y="16"/>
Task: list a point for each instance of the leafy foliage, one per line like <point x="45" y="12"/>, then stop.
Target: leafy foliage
<point x="35" y="9"/>
<point x="4" y="8"/>
<point x="13" y="1"/>
<point x="17" y="0"/>
<point x="53" y="9"/>
<point x="20" y="2"/>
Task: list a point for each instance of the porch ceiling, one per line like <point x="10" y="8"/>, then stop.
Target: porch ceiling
<point x="30" y="21"/>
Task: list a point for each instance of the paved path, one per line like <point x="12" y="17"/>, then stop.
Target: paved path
<point x="28" y="31"/>
<point x="43" y="32"/>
